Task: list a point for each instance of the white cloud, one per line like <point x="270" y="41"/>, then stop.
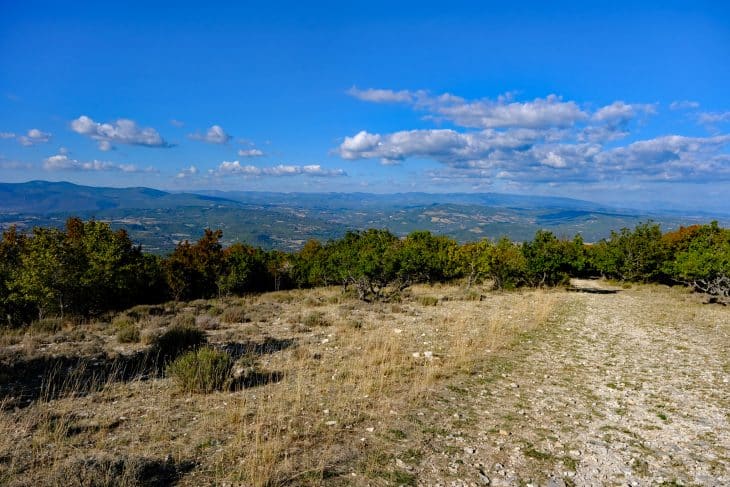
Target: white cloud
<point x="61" y="162"/>
<point x="315" y="170"/>
<point x="501" y="112"/>
<point x="33" y="137"/>
<point x="611" y="122"/>
<point x="551" y="111"/>
<point x="683" y="105"/>
<point x="545" y="140"/>
<point x="527" y="156"/>
<point x="122" y="131"/>
<point x="445" y="145"/>
<point x="619" y="112"/>
<point x="105" y="145"/>
<point x="187" y="172"/>
<point x="250" y="153"/>
<point x="177" y="123"/>
<point x="235" y="167"/>
<point x="671" y="157"/>
<point x="7" y="135"/>
<point x="214" y="135"/>
<point x="709" y="118"/>
<point x="381" y="96"/>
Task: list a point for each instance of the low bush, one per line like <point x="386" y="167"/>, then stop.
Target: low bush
<point x="184" y="320"/>
<point x="176" y="340"/>
<point x="428" y="300"/>
<point x="128" y="333"/>
<point x="204" y="370"/>
<point x="234" y="314"/>
<point x="316" y="319"/>
<point x="111" y="471"/>
<point x="143" y="310"/>
<point x="207" y="322"/>
<point x="121" y="321"/>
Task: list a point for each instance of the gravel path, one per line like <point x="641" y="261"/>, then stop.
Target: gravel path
<point x="624" y="388"/>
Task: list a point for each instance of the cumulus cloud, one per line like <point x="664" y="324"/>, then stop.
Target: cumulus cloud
<point x="526" y="155"/>
<point x="445" y="145"/>
<point x="671" y="157"/>
<point x="187" y="172"/>
<point x="545" y="140"/>
<point x="214" y="135"/>
<point x="315" y="170"/>
<point x="62" y="162"/>
<point x="620" y="112"/>
<point x="501" y="112"/>
<point x="551" y="111"/>
<point x="122" y="131"/>
<point x="611" y="122"/>
<point x="33" y="137"/>
<point x="250" y="153"/>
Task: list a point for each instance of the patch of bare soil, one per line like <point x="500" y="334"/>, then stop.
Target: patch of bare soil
<point x="627" y="387"/>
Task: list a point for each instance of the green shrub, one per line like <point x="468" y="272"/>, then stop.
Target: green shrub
<point x="316" y="319"/>
<point x="176" y="340"/>
<point x="123" y="320"/>
<point x="234" y="314"/>
<point x="183" y="319"/>
<point x="203" y="370"/>
<point x="128" y="333"/>
<point x="143" y="310"/>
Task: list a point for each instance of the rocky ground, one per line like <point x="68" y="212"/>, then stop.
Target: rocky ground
<point x="622" y="387"/>
<point x="596" y="385"/>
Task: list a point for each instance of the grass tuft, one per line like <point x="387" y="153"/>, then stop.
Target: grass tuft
<point x="201" y="371"/>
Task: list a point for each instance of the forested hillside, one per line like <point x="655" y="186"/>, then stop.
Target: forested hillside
<point x="88" y="268"/>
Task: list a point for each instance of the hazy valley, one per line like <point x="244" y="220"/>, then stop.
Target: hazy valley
<point x="159" y="220"/>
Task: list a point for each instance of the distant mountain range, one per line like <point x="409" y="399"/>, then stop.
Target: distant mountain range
<point x="160" y="219"/>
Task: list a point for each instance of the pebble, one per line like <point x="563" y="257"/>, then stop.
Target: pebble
<point x="483" y="478"/>
<point x="555" y="482"/>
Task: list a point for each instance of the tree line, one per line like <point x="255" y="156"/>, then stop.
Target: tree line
<point x="87" y="268"/>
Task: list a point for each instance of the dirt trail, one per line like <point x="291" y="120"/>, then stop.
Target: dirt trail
<point x="624" y="388"/>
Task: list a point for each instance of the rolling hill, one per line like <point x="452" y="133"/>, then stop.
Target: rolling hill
<point x="159" y="219"/>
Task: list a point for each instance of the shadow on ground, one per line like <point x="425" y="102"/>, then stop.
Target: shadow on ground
<point x="24" y="380"/>
<point x="592" y="290"/>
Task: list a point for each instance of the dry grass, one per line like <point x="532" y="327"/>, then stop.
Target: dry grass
<point x="324" y="402"/>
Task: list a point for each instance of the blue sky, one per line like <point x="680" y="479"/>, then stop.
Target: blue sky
<point x="625" y="104"/>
